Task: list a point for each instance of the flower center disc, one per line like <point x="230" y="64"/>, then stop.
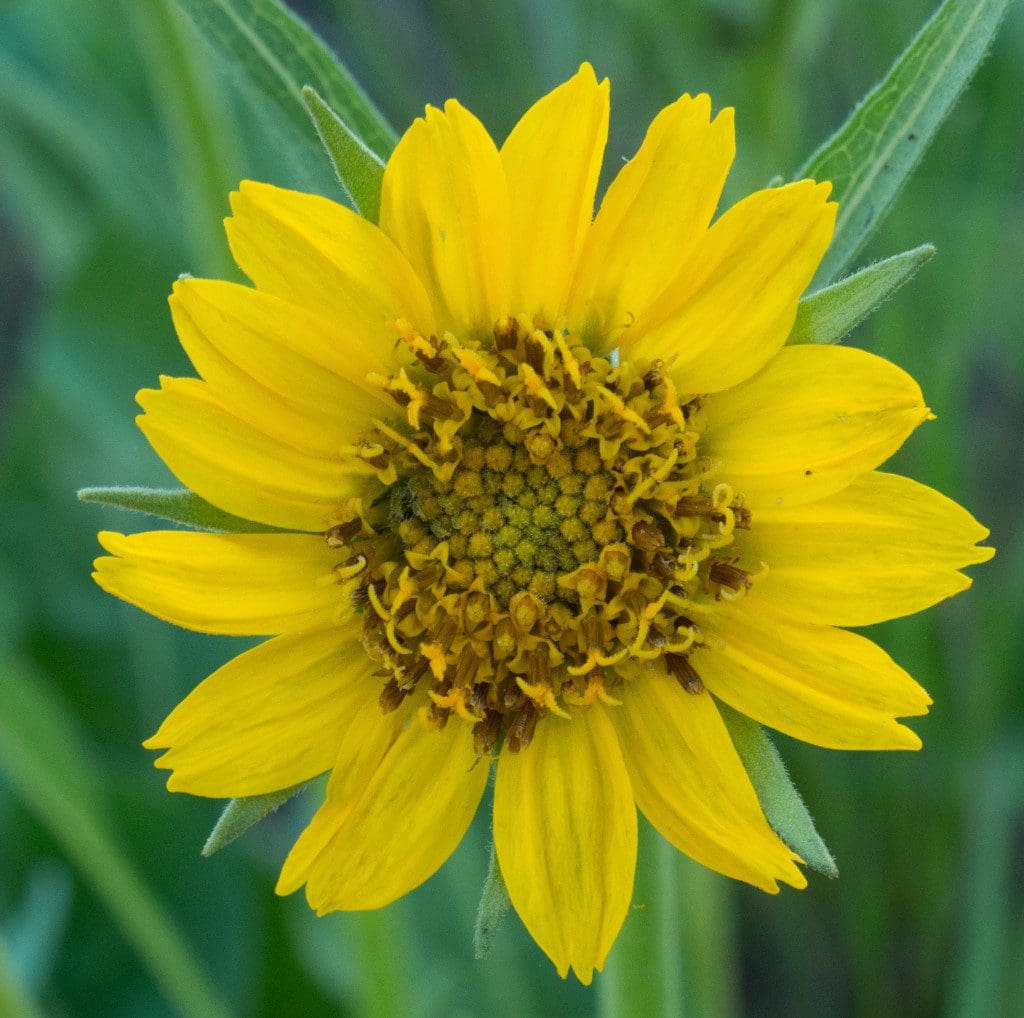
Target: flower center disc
<point x="545" y="518"/>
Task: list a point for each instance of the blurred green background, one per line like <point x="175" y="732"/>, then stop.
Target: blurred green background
<point x="120" y="138"/>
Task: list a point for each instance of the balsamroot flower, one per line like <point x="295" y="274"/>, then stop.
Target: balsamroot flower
<point x="540" y="489"/>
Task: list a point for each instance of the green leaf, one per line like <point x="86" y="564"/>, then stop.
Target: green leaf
<point x="870" y="157"/>
<point x="276" y="54"/>
<point x="15" y="999"/>
<point x="358" y="169"/>
<point x="828" y="315"/>
<point x="111" y="157"/>
<point x="780" y="801"/>
<point x="40" y="752"/>
<point x="492" y="910"/>
<point x="241" y="814"/>
<point x="176" y="504"/>
<point x="196" y="119"/>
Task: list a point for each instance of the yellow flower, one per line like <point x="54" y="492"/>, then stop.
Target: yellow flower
<point x="553" y="488"/>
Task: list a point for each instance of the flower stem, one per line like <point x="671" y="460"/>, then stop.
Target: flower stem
<point x="676" y="955"/>
<point x="382" y="940"/>
<point x="645" y="970"/>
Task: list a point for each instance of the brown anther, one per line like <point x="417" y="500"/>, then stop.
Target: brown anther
<point x="653" y="378"/>
<point x="538" y="667"/>
<point x="663" y="566"/>
<point x="512" y="698"/>
<point x="342" y="533"/>
<point x="506" y="334"/>
<point x="492" y="394"/>
<point x="647" y="535"/>
<point x="466" y="668"/>
<point x="439" y="408"/>
<point x="429" y="574"/>
<point x="521" y="729"/>
<point x="405" y="610"/>
<point x="360" y="600"/>
<point x="694" y="505"/>
<point x="486" y="732"/>
<point x="392" y="696"/>
<point x="634" y="601"/>
<point x="591" y="635"/>
<point x="742" y="516"/>
<point x="444" y="632"/>
<point x="375" y="454"/>
<point x="437" y="716"/>
<point x="410" y="676"/>
<point x="434" y="362"/>
<point x="679" y="667"/>
<point x="479" y="697"/>
<point x="534" y="352"/>
<point x="656" y="417"/>
<point x="727" y="575"/>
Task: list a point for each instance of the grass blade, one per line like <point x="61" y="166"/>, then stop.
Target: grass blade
<point x="828" y="315"/>
<point x="276" y="54"/>
<point x="36" y="740"/>
<point x="871" y="156"/>
<point x="197" y="121"/>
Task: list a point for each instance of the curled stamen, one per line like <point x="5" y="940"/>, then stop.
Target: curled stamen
<point x="454" y="699"/>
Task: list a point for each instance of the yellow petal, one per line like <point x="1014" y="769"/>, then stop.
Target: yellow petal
<point x="407" y="820"/>
<point x="362" y="744"/>
<point x="322" y="256"/>
<point x="257" y="352"/>
<point x="245" y="470"/>
<point x="444" y="202"/>
<point x="810" y="422"/>
<point x="552" y="160"/>
<point x="269" y="719"/>
<point x="565" y="834"/>
<point x="233" y="584"/>
<point x="653" y="215"/>
<point x="734" y="301"/>
<point x="824" y="686"/>
<point x="884" y="547"/>
<point x="690" y="783"/>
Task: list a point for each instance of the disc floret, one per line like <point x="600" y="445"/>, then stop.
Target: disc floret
<point x="546" y="515"/>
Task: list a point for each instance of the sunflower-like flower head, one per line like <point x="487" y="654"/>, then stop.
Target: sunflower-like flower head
<point x="553" y="488"/>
